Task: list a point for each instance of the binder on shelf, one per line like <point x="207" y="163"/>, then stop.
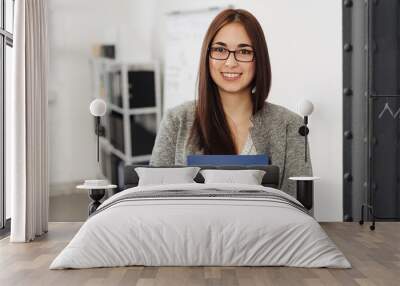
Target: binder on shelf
<point x="141" y="89"/>
<point x="115" y="85"/>
<point x="104" y="50"/>
<point x="115" y="161"/>
<point x="117" y="131"/>
<point x="143" y="133"/>
<point x="121" y="174"/>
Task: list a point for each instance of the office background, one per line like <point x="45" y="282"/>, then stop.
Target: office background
<point x="305" y="45"/>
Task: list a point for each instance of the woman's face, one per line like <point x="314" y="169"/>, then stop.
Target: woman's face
<point x="232" y="75"/>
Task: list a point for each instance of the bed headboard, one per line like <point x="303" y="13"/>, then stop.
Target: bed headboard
<point x="270" y="179"/>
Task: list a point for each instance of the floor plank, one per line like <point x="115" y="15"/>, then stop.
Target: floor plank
<point x="375" y="257"/>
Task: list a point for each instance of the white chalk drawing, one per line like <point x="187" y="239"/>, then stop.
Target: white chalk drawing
<point x="388" y="109"/>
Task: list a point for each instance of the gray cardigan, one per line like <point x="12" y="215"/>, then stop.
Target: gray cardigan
<point x="274" y="132"/>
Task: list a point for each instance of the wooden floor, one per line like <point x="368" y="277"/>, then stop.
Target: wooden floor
<point x="374" y="255"/>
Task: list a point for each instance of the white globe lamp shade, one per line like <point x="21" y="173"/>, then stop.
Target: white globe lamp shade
<point x="98" y="107"/>
<point x="306" y="107"/>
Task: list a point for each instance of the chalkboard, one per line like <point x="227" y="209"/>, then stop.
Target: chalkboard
<point x="184" y="36"/>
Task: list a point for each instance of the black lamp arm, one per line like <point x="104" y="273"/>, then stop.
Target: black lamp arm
<point x="303" y="131"/>
<point x="100" y="129"/>
<point x="98" y="136"/>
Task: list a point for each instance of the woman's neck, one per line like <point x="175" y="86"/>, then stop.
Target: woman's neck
<point x="237" y="105"/>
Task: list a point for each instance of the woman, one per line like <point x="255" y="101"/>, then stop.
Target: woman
<point x="231" y="115"/>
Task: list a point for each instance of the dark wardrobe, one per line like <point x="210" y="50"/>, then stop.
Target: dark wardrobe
<point x="371" y="108"/>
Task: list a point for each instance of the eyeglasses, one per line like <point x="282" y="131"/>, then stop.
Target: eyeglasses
<point x="241" y="55"/>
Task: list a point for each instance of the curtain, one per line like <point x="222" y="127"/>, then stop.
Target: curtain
<point x="26" y="123"/>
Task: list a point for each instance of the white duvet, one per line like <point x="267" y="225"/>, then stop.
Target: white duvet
<point x="200" y="231"/>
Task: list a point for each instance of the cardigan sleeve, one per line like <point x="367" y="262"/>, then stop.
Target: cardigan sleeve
<point x="295" y="164"/>
<point x="165" y="144"/>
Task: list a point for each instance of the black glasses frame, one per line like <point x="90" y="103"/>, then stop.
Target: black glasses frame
<point x="229" y="54"/>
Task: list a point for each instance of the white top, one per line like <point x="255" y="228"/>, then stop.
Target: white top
<point x="92" y="187"/>
<point x="249" y="148"/>
<point x="303" y="178"/>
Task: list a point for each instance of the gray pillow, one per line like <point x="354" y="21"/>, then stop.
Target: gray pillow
<point x="248" y="177"/>
<point x="163" y="176"/>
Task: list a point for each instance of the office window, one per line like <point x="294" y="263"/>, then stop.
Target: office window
<point x="6" y="44"/>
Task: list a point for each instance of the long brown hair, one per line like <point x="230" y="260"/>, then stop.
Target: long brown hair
<point x="210" y="131"/>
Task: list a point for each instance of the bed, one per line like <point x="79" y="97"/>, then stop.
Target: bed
<point x="201" y="224"/>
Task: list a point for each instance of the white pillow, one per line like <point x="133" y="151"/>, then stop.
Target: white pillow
<point x="248" y="177"/>
<point x="163" y="176"/>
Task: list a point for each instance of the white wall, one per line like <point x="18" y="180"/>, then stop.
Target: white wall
<point x="74" y="26"/>
<point x="304" y="40"/>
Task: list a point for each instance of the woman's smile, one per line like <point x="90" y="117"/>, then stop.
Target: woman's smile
<point x="231" y="76"/>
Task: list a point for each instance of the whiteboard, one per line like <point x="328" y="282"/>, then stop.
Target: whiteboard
<point x="184" y="36"/>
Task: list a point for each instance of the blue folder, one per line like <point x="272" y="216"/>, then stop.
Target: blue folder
<point x="225" y="160"/>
